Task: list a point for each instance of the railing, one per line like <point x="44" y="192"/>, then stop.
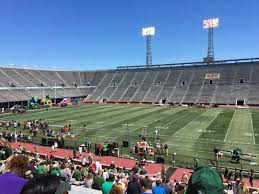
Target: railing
<point x="218" y="62"/>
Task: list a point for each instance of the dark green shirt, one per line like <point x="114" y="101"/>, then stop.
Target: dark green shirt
<point x="41" y="169"/>
<point x="98" y="181"/>
<point x="77" y="175"/>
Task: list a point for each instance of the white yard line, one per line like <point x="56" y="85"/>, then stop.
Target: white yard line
<point x="179" y="131"/>
<point x="253" y="133"/>
<point x="230" y="126"/>
<point x="216" y="115"/>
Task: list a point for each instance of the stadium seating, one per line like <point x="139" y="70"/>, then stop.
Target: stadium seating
<point x="170" y="84"/>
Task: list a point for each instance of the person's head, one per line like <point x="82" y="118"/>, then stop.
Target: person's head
<point x="205" y="180"/>
<point x="89" y="176"/>
<point x="135" y="177"/>
<point x="5" y="149"/>
<point x="147" y="184"/>
<point x="158" y="182"/>
<point x="42" y="184"/>
<point x="111" y="177"/>
<point x="17" y="165"/>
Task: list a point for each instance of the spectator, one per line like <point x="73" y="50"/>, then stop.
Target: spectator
<point x="251" y="178"/>
<point x="83" y="161"/>
<point x="41" y="169"/>
<point x="43" y="184"/>
<point x="147" y="186"/>
<point x="89" y="180"/>
<point x="107" y="186"/>
<point x="112" y="166"/>
<point x="55" y="170"/>
<point x="226" y="173"/>
<point x="134" y="185"/>
<point x="117" y="188"/>
<point x="77" y="174"/>
<point x="205" y="180"/>
<point x="185" y="178"/>
<point x="98" y="166"/>
<point x="158" y="189"/>
<point x="236" y="187"/>
<point x="100" y="147"/>
<point x="90" y="159"/>
<point x="5" y="149"/>
<point x="244" y="188"/>
<point x="12" y="180"/>
<point x="98" y="181"/>
<point x="135" y="169"/>
<point x="65" y="173"/>
<point x="105" y="174"/>
<point x="166" y="185"/>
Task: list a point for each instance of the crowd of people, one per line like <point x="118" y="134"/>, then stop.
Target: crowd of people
<point x="235" y="180"/>
<point x="52" y="175"/>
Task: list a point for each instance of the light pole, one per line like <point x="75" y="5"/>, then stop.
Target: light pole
<point x="210" y="24"/>
<point x="148" y="32"/>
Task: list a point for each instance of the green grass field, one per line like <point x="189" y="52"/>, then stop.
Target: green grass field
<point x="189" y="132"/>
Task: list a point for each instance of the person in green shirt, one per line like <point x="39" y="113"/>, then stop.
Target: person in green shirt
<point x="105" y="148"/>
<point x="98" y="181"/>
<point x="143" y="172"/>
<point x="41" y="169"/>
<point x="55" y="169"/>
<point x="107" y="186"/>
<point x="135" y="169"/>
<point x="77" y="174"/>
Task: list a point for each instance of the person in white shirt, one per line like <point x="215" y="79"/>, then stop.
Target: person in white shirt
<point x="55" y="146"/>
<point x="80" y="149"/>
<point x="84" y="161"/>
<point x="105" y="175"/>
<point x="98" y="166"/>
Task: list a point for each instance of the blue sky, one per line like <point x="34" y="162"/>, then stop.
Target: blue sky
<point x="102" y="34"/>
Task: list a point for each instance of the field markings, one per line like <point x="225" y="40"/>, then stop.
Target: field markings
<point x="230" y="125"/>
<point x="184" y="141"/>
<point x="127" y="117"/>
<point x="240" y="129"/>
<point x="216" y="115"/>
<point x="180" y="130"/>
<point x="138" y="125"/>
<point x="252" y="128"/>
<point x="153" y="121"/>
<point x="175" y="120"/>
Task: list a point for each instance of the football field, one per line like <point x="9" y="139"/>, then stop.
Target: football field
<point x="190" y="132"/>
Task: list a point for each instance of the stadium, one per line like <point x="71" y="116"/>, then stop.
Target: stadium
<point x="181" y="115"/>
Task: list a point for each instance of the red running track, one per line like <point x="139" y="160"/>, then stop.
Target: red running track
<point x="151" y="168"/>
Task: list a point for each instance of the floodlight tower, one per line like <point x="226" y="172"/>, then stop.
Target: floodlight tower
<point x="210" y="24"/>
<point x="148" y="32"/>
